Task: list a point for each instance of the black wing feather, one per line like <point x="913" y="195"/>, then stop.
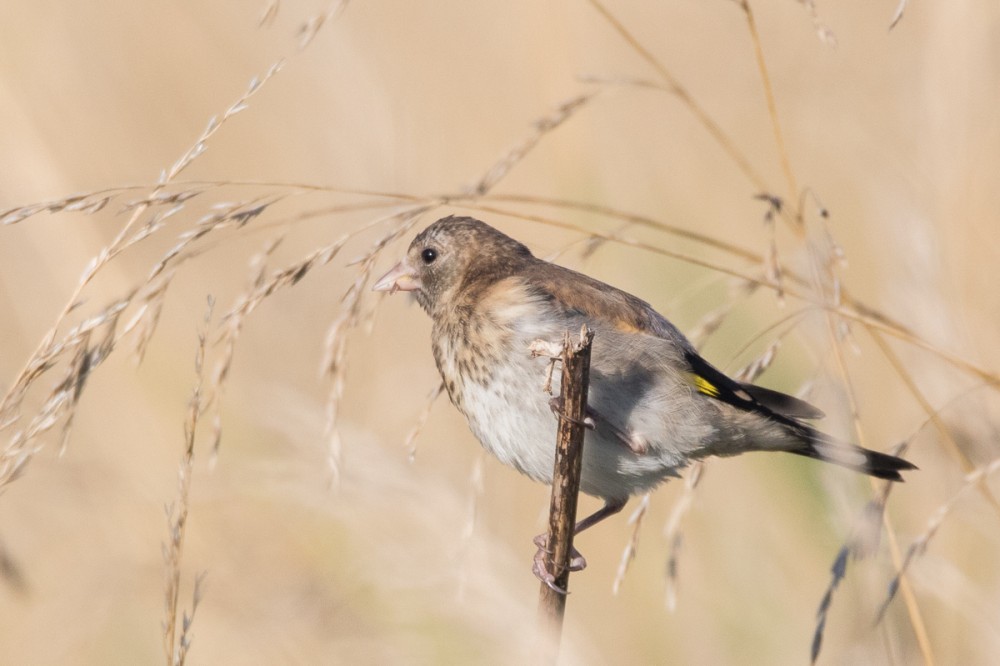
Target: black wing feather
<point x="716" y="384"/>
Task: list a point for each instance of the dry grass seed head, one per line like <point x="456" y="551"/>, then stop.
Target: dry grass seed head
<point x="632" y="547"/>
<point x="542" y="127"/>
<point x="61" y="403"/>
<point x="712" y="320"/>
<point x="260" y="286"/>
<point x="920" y="544"/>
<point x="672" y="531"/>
<point x="333" y="364"/>
<point x="177" y="513"/>
<point x="757" y="367"/>
<point x="410" y="443"/>
<point x="146" y="319"/>
<point x="311" y="27"/>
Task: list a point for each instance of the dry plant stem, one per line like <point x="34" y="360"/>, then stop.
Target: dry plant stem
<point x="119" y="244"/>
<point x="920" y="544"/>
<point x="847" y="306"/>
<point x="909" y="597"/>
<point x="565" y="486"/>
<point x="913" y="609"/>
<point x="631" y="218"/>
<point x="622" y="240"/>
<point x="632" y="547"/>
<point x="827" y="292"/>
<point x="543" y="126"/>
<point x="672" y="531"/>
<point x="681" y="92"/>
<point x="175" y="649"/>
<point x="334" y="363"/>
<point x="772" y="107"/>
<point x="842" y="305"/>
<point x="410" y="443"/>
<point x="17" y="453"/>
<point x="863" y="312"/>
<point x="936" y="420"/>
<point x="902" y="581"/>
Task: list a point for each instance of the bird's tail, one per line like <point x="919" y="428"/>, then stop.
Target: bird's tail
<point x="873" y="463"/>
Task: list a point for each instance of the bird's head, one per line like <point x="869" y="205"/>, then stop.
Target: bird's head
<point x="451" y="256"/>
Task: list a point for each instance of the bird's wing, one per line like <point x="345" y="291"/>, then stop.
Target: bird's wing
<point x="596" y="301"/>
<point x="600" y="302"/>
<point x="714" y="383"/>
<point x="782" y="403"/>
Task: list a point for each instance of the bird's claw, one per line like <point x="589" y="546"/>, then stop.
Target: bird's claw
<point x="577" y="562"/>
<point x="542" y="574"/>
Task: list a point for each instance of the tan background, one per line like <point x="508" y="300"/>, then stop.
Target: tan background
<point x="897" y="133"/>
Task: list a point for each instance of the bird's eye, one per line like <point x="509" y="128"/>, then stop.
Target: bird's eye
<point x="429" y="255"/>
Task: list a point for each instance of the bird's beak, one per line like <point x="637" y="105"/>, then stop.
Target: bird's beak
<point x="401" y="277"/>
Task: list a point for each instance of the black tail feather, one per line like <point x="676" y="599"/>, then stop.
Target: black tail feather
<point x="866" y="461"/>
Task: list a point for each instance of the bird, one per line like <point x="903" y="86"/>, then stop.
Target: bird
<point x="655" y="405"/>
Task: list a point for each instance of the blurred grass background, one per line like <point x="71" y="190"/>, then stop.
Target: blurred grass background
<point x="897" y="134"/>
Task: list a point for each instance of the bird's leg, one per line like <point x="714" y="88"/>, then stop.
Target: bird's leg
<point x="576" y="560"/>
<point x="610" y="508"/>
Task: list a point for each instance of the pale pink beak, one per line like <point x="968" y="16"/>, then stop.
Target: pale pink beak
<point x="400" y="277"/>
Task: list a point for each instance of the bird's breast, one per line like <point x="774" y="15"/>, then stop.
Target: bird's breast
<point x="491" y="377"/>
<point x="466" y="355"/>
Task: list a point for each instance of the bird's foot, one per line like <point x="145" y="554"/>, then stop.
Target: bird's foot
<point x="576" y="563"/>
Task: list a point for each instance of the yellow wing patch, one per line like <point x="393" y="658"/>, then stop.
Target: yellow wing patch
<point x="704" y="386"/>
